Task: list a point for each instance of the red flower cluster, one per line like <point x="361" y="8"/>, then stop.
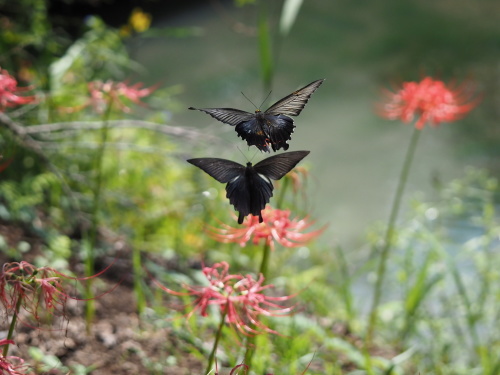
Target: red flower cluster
<point x="432" y="100"/>
<point x="277" y="226"/>
<point x="239" y="297"/>
<point x="104" y="94"/>
<point x="9" y="92"/>
<point x="30" y="285"/>
<point x="8" y="365"/>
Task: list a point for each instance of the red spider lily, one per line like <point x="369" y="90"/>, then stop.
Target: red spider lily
<point x="239" y="298"/>
<point x="33" y="287"/>
<point x="276" y="226"/>
<point x="9" y="92"/>
<point x="432" y="100"/>
<point x="103" y="94"/>
<point x="7" y="367"/>
<point x="106" y="93"/>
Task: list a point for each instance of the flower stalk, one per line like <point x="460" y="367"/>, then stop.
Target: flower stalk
<point x="218" y="335"/>
<point x="389" y="235"/>
<point x="92" y="235"/>
<point x="12" y="325"/>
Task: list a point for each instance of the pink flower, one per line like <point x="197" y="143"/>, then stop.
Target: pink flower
<point x="8" y="365"/>
<point x="277" y="226"/>
<point x="240" y="298"/>
<point x="33" y="285"/>
<point x="430" y="100"/>
<point x="107" y="93"/>
<point x="9" y="92"/>
<point x="37" y="288"/>
<point x="110" y="93"/>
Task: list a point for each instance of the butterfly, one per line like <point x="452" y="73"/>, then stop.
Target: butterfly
<point x="249" y="188"/>
<point x="271" y="128"/>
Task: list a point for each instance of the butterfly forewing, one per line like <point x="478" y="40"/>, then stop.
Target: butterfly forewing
<point x="277" y="166"/>
<point x="227" y="115"/>
<point x="221" y="169"/>
<point x="294" y="103"/>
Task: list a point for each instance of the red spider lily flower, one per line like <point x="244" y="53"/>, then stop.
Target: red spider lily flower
<point x="9" y="92"/>
<point x="276" y="226"/>
<point x="7" y="365"/>
<point x="429" y="99"/>
<point x="104" y="94"/>
<point x="240" y="298"/>
<point x="35" y="288"/>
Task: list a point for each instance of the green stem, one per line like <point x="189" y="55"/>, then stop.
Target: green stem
<point x="250" y="342"/>
<point x="266" y="253"/>
<point x="216" y="343"/>
<point x="137" y="267"/>
<point x="12" y="325"/>
<point x="389" y="237"/>
<point x="281" y="198"/>
<point x="92" y="235"/>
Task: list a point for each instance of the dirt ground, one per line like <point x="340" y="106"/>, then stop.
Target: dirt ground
<point x="118" y="341"/>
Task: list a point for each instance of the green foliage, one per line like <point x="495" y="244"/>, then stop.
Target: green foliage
<point x="440" y="315"/>
<point x="45" y="363"/>
<point x="98" y="54"/>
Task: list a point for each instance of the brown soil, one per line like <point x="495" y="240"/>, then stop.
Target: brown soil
<point x="118" y="342"/>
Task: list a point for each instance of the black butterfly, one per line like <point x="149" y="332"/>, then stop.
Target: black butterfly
<point x="272" y="128"/>
<point x="249" y="188"/>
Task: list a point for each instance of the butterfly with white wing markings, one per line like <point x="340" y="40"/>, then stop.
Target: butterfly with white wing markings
<point x="271" y="128"/>
<point x="250" y="188"/>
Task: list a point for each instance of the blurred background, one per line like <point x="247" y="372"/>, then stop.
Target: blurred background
<point x="209" y="52"/>
<point x="205" y="54"/>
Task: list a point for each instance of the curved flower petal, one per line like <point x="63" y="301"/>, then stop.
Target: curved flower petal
<point x="429" y="101"/>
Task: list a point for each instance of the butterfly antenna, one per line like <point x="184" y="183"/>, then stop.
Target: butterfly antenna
<point x="249" y="100"/>
<point x="238" y="147"/>
<point x="266" y="98"/>
<point x="255" y="153"/>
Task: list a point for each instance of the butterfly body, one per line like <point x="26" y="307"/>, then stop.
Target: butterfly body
<point x="271" y="128"/>
<point x="249" y="188"/>
<point x="267" y="131"/>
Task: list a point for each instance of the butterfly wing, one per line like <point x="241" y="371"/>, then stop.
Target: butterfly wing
<point x="279" y="130"/>
<point x="221" y="169"/>
<point x="253" y="132"/>
<point x="229" y="116"/>
<point x="294" y="103"/>
<point x="249" y="193"/>
<point x="277" y="166"/>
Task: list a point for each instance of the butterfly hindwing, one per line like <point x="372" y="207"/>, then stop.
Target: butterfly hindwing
<point x="294" y="103"/>
<point x="279" y="129"/>
<point x="221" y="169"/>
<point x="249" y="193"/>
<point x="277" y="166"/>
<point x="252" y="132"/>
